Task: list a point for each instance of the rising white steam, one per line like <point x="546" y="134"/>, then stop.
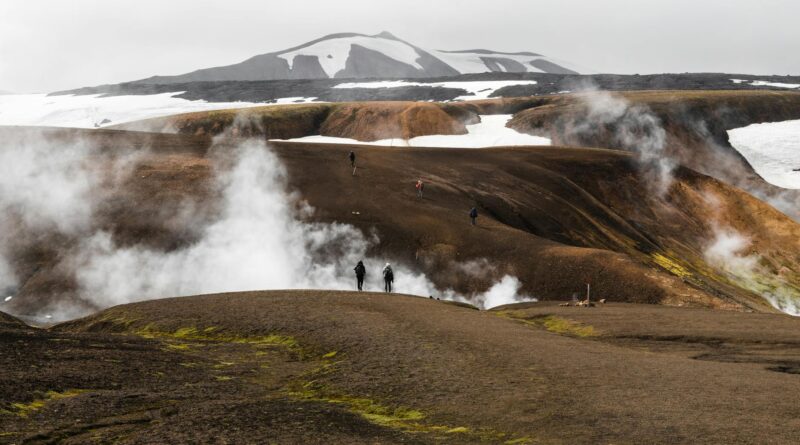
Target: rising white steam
<point x="44" y="187"/>
<point x="731" y="252"/>
<point x="259" y="241"/>
<point x="49" y="187"/>
<point x="727" y="251"/>
<point x="505" y="291"/>
<point x="635" y="128"/>
<point x="45" y="184"/>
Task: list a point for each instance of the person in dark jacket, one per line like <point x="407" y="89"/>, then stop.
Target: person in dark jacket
<point x="360" y="272"/>
<point x="473" y="215"/>
<point x="388" y="277"/>
<point x="352" y="157"/>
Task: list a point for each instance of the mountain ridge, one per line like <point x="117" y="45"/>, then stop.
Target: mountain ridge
<point x="361" y="56"/>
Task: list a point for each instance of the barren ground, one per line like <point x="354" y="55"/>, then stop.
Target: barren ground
<point x="340" y="367"/>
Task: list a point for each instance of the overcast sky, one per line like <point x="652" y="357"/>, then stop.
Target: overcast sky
<point x="47" y="45"/>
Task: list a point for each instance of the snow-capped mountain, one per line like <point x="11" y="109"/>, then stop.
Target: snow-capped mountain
<point x="358" y="56"/>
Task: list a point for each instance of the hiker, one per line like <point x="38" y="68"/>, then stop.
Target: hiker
<point x="360" y="272"/>
<point x="388" y="278"/>
<point x="420" y="186"/>
<point x="473" y="215"/>
<point x="352" y="157"/>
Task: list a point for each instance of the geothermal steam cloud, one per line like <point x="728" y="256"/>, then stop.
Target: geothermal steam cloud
<point x="258" y="241"/>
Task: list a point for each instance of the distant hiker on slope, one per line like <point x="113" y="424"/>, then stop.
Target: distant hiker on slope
<point x="360" y="272"/>
<point x="420" y="187"/>
<point x="388" y="277"/>
<point x="473" y="215"/>
<point x="352" y="157"/>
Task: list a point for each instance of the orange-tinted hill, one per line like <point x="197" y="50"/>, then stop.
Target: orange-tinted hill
<point x="695" y="125"/>
<point x="555" y="217"/>
<point x="364" y="121"/>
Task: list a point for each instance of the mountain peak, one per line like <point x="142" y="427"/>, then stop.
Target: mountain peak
<point x="386" y="35"/>
<point x="360" y="56"/>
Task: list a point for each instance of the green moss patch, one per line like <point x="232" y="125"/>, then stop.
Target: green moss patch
<point x="552" y="323"/>
<point x="410" y="420"/>
<point x="568" y="327"/>
<point x="671" y="265"/>
<point x="26" y="409"/>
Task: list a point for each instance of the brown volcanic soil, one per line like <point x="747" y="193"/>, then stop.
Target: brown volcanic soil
<point x="696" y="124"/>
<point x="9" y="320"/>
<point x="554" y="217"/>
<point x="383" y="120"/>
<point x="363" y="121"/>
<point x="339" y="367"/>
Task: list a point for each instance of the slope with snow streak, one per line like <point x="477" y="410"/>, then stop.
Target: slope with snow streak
<point x="764" y="83"/>
<point x="490" y="132"/>
<point x="481" y="61"/>
<point x="333" y="53"/>
<point x="773" y="149"/>
<point x="93" y="111"/>
<point x="360" y="56"/>
<point x="475" y="89"/>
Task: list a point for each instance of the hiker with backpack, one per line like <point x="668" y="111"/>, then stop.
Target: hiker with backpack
<point x="420" y="187"/>
<point x="352" y="157"/>
<point x="360" y="272"/>
<point x="473" y="215"/>
<point x="388" y="278"/>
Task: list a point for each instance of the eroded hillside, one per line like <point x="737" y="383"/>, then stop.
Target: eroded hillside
<point x="556" y="218"/>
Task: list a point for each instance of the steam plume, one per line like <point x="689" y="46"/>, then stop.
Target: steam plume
<point x="634" y="128"/>
<point x="259" y="240"/>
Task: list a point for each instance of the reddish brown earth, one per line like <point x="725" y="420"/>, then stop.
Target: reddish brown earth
<point x="341" y="367"/>
<point x="384" y="120"/>
<point x="696" y="125"/>
<point x="363" y="121"/>
<point x="337" y="367"/>
<point x="555" y="217"/>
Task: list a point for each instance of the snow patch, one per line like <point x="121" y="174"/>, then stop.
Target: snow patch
<point x="764" y="83"/>
<point x="92" y="111"/>
<point x="490" y="132"/>
<point x="333" y="53"/>
<point x="773" y="149"/>
<point x="294" y="100"/>
<point x="469" y="63"/>
<point x="475" y="89"/>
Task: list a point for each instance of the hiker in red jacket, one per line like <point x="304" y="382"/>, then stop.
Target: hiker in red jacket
<point x="420" y="187"/>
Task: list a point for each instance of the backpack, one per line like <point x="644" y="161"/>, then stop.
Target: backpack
<point x="388" y="275"/>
